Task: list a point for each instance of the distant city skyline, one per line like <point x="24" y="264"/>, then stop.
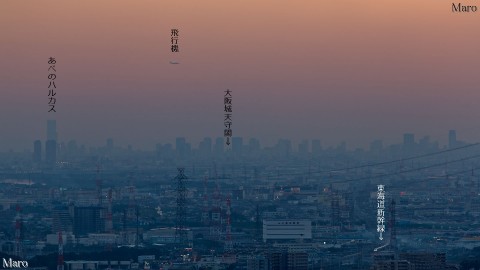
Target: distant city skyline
<point x="212" y="143"/>
<point x="149" y="143"/>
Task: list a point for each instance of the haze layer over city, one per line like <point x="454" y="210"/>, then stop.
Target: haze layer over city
<point x="245" y="134"/>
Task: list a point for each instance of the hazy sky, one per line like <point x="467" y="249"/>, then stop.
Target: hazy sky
<point x="301" y="69"/>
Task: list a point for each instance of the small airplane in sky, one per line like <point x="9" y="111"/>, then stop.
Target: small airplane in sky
<point x="174" y="62"/>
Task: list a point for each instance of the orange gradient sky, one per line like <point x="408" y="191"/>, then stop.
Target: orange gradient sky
<point x="334" y="70"/>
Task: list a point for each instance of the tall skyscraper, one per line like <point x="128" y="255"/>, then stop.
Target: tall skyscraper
<point x="205" y="147"/>
<point x="109" y="145"/>
<point x="37" y="151"/>
<point x="237" y="145"/>
<point x="303" y="148"/>
<point x="51" y="152"/>
<point x="72" y="148"/>
<point x="51" y="144"/>
<point x="158" y="150"/>
<point x="168" y="150"/>
<point x="408" y="139"/>
<point x="188" y="149"/>
<point x="51" y="130"/>
<point x="452" y="139"/>
<point x="408" y="143"/>
<point x="253" y="146"/>
<point x="219" y="146"/>
<point x="316" y="147"/>
<point x="181" y="146"/>
<point x="342" y="147"/>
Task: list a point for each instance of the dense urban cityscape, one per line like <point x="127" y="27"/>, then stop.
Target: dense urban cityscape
<point x="248" y="207"/>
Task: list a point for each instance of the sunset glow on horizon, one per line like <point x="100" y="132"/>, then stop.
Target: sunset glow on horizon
<point x="304" y="69"/>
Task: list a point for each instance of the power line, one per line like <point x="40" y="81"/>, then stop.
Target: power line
<point x="429" y="179"/>
<point x="410" y="170"/>
<point x="408" y="158"/>
<point x="385" y="162"/>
